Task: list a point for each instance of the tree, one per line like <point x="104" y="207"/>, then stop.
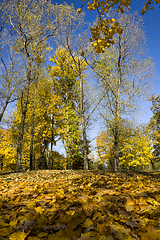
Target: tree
<point x="104" y="146"/>
<point x="11" y="66"/>
<point x="106" y="27"/>
<point x="154" y="126"/>
<point x="42" y="124"/>
<point x="124" y="75"/>
<point x="135" y="147"/>
<point x="76" y="44"/>
<point x="33" y="23"/>
<point x="64" y="78"/>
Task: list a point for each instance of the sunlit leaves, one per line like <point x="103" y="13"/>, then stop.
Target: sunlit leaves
<point x="86" y="204"/>
<point x="18" y="236"/>
<point x="7" y="150"/>
<point x="105" y="29"/>
<point x="135" y="148"/>
<point x="149" y="5"/>
<point x="104" y="144"/>
<point x="47" y="120"/>
<point x="154" y="126"/>
<point x="65" y="77"/>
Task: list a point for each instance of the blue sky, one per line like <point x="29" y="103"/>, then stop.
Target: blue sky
<point x="151" y="26"/>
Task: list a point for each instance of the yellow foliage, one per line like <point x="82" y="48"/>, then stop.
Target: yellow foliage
<point x="47" y="119"/>
<point x="104" y="25"/>
<point x="104" y="144"/>
<point x="135" y="149"/>
<point x="18" y="236"/>
<point x="79" y="10"/>
<point x="7" y="150"/>
<point x="85" y="210"/>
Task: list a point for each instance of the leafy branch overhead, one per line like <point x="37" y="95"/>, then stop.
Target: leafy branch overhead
<point x="106" y="27"/>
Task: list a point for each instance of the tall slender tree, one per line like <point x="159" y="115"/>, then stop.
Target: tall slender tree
<point x="64" y="78"/>
<point x="124" y="75"/>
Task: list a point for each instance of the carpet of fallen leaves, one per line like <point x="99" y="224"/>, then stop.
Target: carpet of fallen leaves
<point x="52" y="205"/>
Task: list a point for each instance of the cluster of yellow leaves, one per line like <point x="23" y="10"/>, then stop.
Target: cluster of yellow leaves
<point x="149" y="5"/>
<point x="136" y="151"/>
<point x="104" y="30"/>
<point x="104" y="144"/>
<point x="80" y="205"/>
<point x="65" y="67"/>
<point x="105" y="26"/>
<point x="104" y="6"/>
<point x="7" y="150"/>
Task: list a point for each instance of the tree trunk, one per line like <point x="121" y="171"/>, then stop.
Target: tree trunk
<point x="1" y="163"/>
<point x="83" y="125"/>
<point x="33" y="162"/>
<point x="4" y="107"/>
<point x="68" y="150"/>
<point x="52" y="139"/>
<point x="32" y="131"/>
<point x="117" y="114"/>
<point x="153" y="165"/>
<point x="51" y="162"/>
<point x="31" y="142"/>
<point x="24" y="110"/>
<point x="116" y="150"/>
<point x="47" y="156"/>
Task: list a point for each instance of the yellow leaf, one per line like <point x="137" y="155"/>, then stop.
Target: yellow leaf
<point x="31" y="205"/>
<point x="17" y="199"/>
<point x="4" y="232"/>
<point x="18" y="236"/>
<point x="61" y="193"/>
<point x="42" y="221"/>
<point x="129" y="205"/>
<point x="13" y="223"/>
<point x="87" y="223"/>
<point x="1" y="204"/>
<point x="79" y="10"/>
<point x="70" y="212"/>
<point x="39" y="210"/>
<point x="129" y="208"/>
<point x="42" y="234"/>
<point x="2" y="223"/>
<point x="97" y="215"/>
<point x="33" y="238"/>
<point x="85" y="236"/>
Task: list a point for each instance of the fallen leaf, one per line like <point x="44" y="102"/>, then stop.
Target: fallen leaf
<point x="18" y="236"/>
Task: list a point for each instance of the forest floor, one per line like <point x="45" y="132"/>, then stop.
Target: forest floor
<point x="70" y="205"/>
